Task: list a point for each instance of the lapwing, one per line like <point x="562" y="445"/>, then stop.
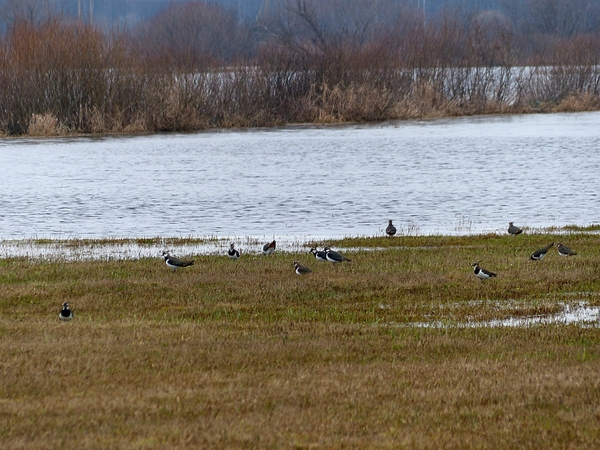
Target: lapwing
<point x="481" y="272"/>
<point x="232" y="252"/>
<point x="563" y="250"/>
<point x="300" y="269"/>
<point x="513" y="230"/>
<point x="65" y="313"/>
<point x="334" y="257"/>
<point x="390" y="230"/>
<point x="319" y="254"/>
<point x="538" y="255"/>
<point x="176" y="263"/>
<point x="269" y="248"/>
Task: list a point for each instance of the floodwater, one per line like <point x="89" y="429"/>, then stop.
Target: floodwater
<point x="465" y="175"/>
<point x="578" y="312"/>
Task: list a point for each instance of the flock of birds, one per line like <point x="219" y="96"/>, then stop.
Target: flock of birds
<point x="332" y="256"/>
<point x="268" y="249"/>
<point x="538" y="255"/>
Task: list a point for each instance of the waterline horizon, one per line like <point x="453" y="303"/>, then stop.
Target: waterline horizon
<point x="91" y="248"/>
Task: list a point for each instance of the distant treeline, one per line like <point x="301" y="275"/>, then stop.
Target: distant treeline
<point x="553" y="16"/>
<point x="195" y="65"/>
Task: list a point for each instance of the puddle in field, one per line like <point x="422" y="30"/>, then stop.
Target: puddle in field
<point x="576" y="313"/>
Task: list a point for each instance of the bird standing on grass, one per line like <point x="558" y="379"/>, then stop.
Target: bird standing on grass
<point x="481" y="272"/>
<point x="513" y="230"/>
<point x="300" y="269"/>
<point x="538" y="255"/>
<point x="176" y="263"/>
<point x="390" y="230"/>
<point x="65" y="313"/>
<point x="269" y="248"/>
<point x="232" y="252"/>
<point x="334" y="257"/>
<point x="563" y="250"/>
<point x="319" y="254"/>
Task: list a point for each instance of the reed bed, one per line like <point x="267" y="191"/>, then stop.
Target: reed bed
<point x="246" y="354"/>
<point x="61" y="77"/>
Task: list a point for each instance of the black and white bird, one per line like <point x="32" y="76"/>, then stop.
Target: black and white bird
<point x="65" y="313"/>
<point x="481" y="272"/>
<point x="269" y="248"/>
<point x="513" y="230"/>
<point x="300" y="269"/>
<point x="334" y="257"/>
<point x="176" y="263"/>
<point x="232" y="252"/>
<point x="538" y="255"/>
<point x="390" y="230"/>
<point x="563" y="250"/>
<point x="319" y="255"/>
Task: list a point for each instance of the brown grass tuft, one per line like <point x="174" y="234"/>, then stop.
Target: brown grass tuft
<point x="44" y="125"/>
<point x="577" y="101"/>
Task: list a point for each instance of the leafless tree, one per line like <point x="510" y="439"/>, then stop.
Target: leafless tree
<point x="195" y="34"/>
<point x="322" y="25"/>
<point x="31" y="10"/>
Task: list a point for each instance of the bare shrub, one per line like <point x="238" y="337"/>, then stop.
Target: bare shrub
<point x="58" y="67"/>
<point x="192" y="35"/>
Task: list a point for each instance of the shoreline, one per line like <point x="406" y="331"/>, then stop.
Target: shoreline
<point x="134" y="248"/>
<point x="291" y="125"/>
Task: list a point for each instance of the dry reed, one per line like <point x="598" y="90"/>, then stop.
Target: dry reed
<point x="79" y="79"/>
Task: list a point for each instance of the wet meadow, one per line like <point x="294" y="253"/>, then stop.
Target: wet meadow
<point x="248" y="354"/>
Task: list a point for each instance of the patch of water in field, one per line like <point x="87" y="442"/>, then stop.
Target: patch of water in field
<point x="83" y="250"/>
<point x="575" y="313"/>
<point x="464" y="175"/>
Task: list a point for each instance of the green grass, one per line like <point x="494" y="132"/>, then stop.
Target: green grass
<point x="577" y="228"/>
<point x="246" y="354"/>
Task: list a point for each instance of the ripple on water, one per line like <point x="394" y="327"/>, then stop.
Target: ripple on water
<point x="439" y="176"/>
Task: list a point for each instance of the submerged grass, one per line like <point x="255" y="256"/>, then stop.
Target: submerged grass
<point x="578" y="228"/>
<point x="248" y="354"/>
<point x="156" y="240"/>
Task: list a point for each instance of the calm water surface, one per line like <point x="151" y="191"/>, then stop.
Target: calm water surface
<point x="463" y="175"/>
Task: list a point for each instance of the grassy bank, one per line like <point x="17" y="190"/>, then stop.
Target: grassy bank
<point x="248" y="354"/>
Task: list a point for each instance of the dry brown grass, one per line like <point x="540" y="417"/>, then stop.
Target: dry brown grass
<point x="245" y="354"/>
<point x="578" y="101"/>
<point x="45" y="125"/>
